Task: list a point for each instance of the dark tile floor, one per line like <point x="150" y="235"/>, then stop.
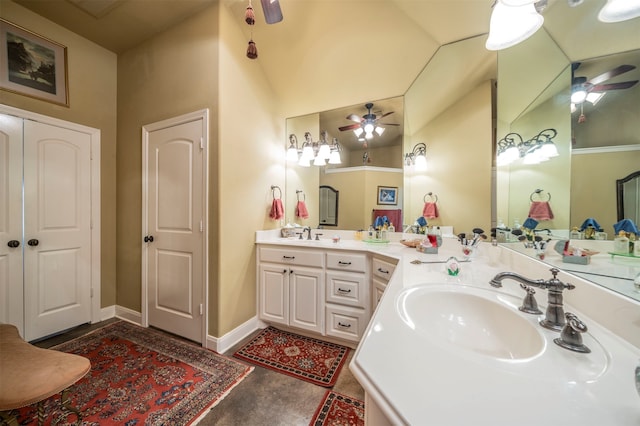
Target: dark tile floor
<point x="264" y="397"/>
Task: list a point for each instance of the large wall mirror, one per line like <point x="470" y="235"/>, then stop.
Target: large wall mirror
<point x="598" y="141"/>
<point x="448" y="104"/>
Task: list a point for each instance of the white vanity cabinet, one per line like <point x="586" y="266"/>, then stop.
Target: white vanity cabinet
<point x="382" y="269"/>
<point x="291" y="287"/>
<point x="347" y="294"/>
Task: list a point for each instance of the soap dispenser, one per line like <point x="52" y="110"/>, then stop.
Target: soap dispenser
<point x="621" y="244"/>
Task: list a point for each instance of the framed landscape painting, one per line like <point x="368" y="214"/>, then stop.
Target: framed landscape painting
<point x="32" y="65"/>
<point x="388" y="195"/>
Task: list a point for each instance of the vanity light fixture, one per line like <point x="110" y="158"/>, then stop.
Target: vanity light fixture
<point x="319" y="152"/>
<point x="417" y="157"/>
<point x="533" y="151"/>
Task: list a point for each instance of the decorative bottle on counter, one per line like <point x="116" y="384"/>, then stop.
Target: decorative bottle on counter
<point x="621" y="244"/>
<point x="391" y="227"/>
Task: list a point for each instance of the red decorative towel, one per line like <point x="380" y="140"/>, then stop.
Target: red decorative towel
<point x="277" y="211"/>
<point x="540" y="210"/>
<point x="301" y="210"/>
<point x="430" y="210"/>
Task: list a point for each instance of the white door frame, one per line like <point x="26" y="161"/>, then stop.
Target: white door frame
<point x="203" y="115"/>
<point x="94" y="135"/>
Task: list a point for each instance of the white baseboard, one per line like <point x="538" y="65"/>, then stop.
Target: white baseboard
<point x="224" y="343"/>
<point x="128" y="315"/>
<point x="107" y="312"/>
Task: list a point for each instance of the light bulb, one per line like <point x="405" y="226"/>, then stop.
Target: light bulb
<point x="619" y="10"/>
<point x="335" y="158"/>
<point x="579" y="96"/>
<point x="421" y="163"/>
<point x="379" y="130"/>
<point x="368" y="136"/>
<point x="358" y="131"/>
<point x="510" y="25"/>
<point x="319" y="161"/>
<point x="324" y="152"/>
<point x="368" y="128"/>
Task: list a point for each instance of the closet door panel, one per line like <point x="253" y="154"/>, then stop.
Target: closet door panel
<point x="11" y="296"/>
<point x="57" y="202"/>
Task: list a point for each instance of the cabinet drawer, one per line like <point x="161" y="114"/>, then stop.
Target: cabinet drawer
<point x="292" y="256"/>
<point x="346" y="288"/>
<point x="382" y="268"/>
<point x="347" y="261"/>
<point x="346" y="323"/>
<point x="379" y="286"/>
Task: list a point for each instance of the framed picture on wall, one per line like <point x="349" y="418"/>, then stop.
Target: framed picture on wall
<point x="388" y="195"/>
<point x="32" y="65"/>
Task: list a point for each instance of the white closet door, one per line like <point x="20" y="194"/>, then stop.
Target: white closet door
<point x="57" y="251"/>
<point x="175" y="220"/>
<point x="11" y="296"/>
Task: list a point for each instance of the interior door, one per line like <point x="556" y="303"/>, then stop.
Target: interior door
<point x="174" y="236"/>
<point x="57" y="226"/>
<point x="11" y="290"/>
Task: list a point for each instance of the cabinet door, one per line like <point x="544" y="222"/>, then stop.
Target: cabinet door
<point x="273" y="293"/>
<point x="307" y="298"/>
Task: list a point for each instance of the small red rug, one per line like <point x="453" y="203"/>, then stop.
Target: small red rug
<point x="302" y="357"/>
<point x="142" y="376"/>
<point x="338" y="410"/>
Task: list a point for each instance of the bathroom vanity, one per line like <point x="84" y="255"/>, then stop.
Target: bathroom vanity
<point x="452" y="350"/>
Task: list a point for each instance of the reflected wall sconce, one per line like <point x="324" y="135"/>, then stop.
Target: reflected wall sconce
<point x="417" y="157"/>
<point x="320" y="152"/>
<point x="536" y="150"/>
<point x="513" y="21"/>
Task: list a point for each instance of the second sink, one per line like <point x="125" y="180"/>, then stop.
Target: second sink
<point x="470" y="319"/>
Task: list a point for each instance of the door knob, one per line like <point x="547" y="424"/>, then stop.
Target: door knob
<point x="33" y="242"/>
<point x="13" y="243"/>
<point x="148" y="239"/>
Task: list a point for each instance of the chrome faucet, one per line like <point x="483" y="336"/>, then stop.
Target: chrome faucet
<point x="554" y="317"/>
<point x="308" y="229"/>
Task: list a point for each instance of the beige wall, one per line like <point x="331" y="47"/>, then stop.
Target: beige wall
<point x="459" y="159"/>
<point x="593" y="187"/>
<point x="92" y="74"/>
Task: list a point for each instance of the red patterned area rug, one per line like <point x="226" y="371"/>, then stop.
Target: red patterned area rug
<point x="142" y="376"/>
<point x="338" y="410"/>
<point x="302" y="357"/>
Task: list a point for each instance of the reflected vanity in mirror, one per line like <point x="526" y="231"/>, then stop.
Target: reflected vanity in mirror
<point x="328" y="206"/>
<point x="601" y="135"/>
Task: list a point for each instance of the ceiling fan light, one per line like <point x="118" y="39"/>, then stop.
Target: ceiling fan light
<point x="619" y="10"/>
<point x="368" y="128"/>
<point x="512" y="25"/>
<point x="578" y="96"/>
<point x="358" y="131"/>
<point x="368" y="136"/>
<point x="379" y="130"/>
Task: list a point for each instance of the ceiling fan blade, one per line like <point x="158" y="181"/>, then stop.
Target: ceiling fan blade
<point x="389" y="124"/>
<point x="611" y="73"/>
<point x="272" y="11"/>
<point x="388" y="113"/>
<point x="349" y="127"/>
<point x="613" y="86"/>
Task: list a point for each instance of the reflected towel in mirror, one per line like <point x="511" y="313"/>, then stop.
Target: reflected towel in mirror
<point x="540" y="210"/>
<point x="301" y="210"/>
<point x="430" y="210"/>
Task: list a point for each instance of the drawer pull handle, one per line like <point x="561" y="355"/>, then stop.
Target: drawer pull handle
<point x="344" y="325"/>
<point x="383" y="271"/>
<point x="340" y="262"/>
<point x="288" y="257"/>
<point x="343" y="290"/>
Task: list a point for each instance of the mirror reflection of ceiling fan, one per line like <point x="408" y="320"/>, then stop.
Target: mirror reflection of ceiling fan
<point x="592" y="90"/>
<point x="367" y="124"/>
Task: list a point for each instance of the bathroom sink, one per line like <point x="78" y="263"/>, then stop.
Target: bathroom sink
<point x="471" y="319"/>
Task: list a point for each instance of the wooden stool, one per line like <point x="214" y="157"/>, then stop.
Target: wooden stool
<point x="29" y="374"/>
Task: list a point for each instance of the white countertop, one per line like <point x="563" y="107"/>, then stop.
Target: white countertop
<point x="417" y="379"/>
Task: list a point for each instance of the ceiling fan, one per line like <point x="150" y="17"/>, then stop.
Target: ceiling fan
<point x="367" y="124"/>
<point x="592" y="90"/>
